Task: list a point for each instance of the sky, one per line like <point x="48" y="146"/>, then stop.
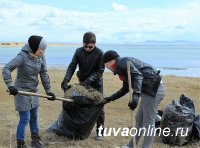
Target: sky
<point x="113" y="21"/>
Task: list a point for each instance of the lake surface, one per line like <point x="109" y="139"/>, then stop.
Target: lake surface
<point x="171" y="60"/>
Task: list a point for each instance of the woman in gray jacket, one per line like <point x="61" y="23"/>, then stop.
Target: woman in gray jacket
<point x="29" y="63"/>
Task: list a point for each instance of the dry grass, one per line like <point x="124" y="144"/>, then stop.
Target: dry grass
<point x="93" y="95"/>
<point x="117" y="113"/>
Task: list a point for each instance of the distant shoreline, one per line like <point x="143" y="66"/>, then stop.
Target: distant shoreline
<point x="177" y="72"/>
<point x="141" y="44"/>
<point x="20" y="44"/>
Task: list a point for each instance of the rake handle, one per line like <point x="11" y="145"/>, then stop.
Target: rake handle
<point x="130" y="95"/>
<point x="42" y="95"/>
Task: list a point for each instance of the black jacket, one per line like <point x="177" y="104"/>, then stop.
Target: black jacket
<point x="145" y="79"/>
<point x="90" y="64"/>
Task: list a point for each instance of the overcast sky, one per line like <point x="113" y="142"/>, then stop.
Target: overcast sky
<point x="113" y="21"/>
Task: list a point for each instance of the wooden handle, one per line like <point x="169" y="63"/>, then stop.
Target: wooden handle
<point x="43" y="96"/>
<point x="130" y="95"/>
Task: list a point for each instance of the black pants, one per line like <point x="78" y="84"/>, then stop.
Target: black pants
<point x="100" y="121"/>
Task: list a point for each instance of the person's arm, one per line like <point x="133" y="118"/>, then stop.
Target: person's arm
<point x="98" y="74"/>
<point x="72" y="67"/>
<point x="136" y="80"/>
<point x="70" y="71"/>
<point x="45" y="79"/>
<point x="124" y="90"/>
<point x="44" y="76"/>
<point x="9" y="67"/>
<point x="6" y="73"/>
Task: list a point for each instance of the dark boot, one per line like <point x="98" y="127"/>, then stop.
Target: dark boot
<point x="21" y="144"/>
<point x="36" y="141"/>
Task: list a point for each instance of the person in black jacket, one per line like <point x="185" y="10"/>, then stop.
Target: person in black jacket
<point x="89" y="58"/>
<point x="146" y="83"/>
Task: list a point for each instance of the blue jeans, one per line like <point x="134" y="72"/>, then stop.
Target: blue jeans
<point x="26" y="117"/>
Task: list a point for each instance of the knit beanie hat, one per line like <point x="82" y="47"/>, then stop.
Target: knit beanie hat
<point x="110" y="55"/>
<point x="37" y="42"/>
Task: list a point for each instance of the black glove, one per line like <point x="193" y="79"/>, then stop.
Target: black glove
<point x="134" y="102"/>
<point x="52" y="96"/>
<point x="107" y="100"/>
<point x="13" y="90"/>
<point x="86" y="84"/>
<point x="64" y="85"/>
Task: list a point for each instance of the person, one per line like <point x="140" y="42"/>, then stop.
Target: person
<point x="146" y="83"/>
<point x="89" y="58"/>
<point x="29" y="63"/>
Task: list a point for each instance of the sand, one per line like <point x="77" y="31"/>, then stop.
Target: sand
<point x="117" y="112"/>
<point x="20" y="44"/>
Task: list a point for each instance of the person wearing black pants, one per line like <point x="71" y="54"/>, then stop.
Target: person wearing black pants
<point x="101" y="118"/>
<point x="89" y="59"/>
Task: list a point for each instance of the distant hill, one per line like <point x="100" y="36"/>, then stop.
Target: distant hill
<point x="179" y="42"/>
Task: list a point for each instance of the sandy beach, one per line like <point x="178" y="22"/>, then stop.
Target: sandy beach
<point x="20" y="44"/>
<point x="117" y="113"/>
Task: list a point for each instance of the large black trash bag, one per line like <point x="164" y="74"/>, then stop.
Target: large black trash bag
<point x="177" y="116"/>
<point x="77" y="119"/>
<point x="196" y="128"/>
<point x="186" y="101"/>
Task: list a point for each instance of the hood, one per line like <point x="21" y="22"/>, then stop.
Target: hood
<point x="27" y="48"/>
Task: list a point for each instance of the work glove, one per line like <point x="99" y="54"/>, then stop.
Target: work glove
<point x="52" y="96"/>
<point x="64" y="85"/>
<point x="13" y="90"/>
<point x="107" y="100"/>
<point x="134" y="102"/>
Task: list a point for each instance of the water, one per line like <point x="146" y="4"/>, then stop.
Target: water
<point x="171" y="60"/>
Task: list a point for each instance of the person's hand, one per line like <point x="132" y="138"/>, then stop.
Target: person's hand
<point x="13" y="90"/>
<point x="134" y="102"/>
<point x="52" y="96"/>
<point x="107" y="100"/>
<point x="64" y="85"/>
<point x="86" y="84"/>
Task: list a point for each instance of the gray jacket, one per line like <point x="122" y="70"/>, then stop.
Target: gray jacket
<point x="26" y="78"/>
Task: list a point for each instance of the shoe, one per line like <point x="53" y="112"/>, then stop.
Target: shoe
<point x="99" y="138"/>
<point x="36" y="141"/>
<point x="21" y="144"/>
<point x="37" y="144"/>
